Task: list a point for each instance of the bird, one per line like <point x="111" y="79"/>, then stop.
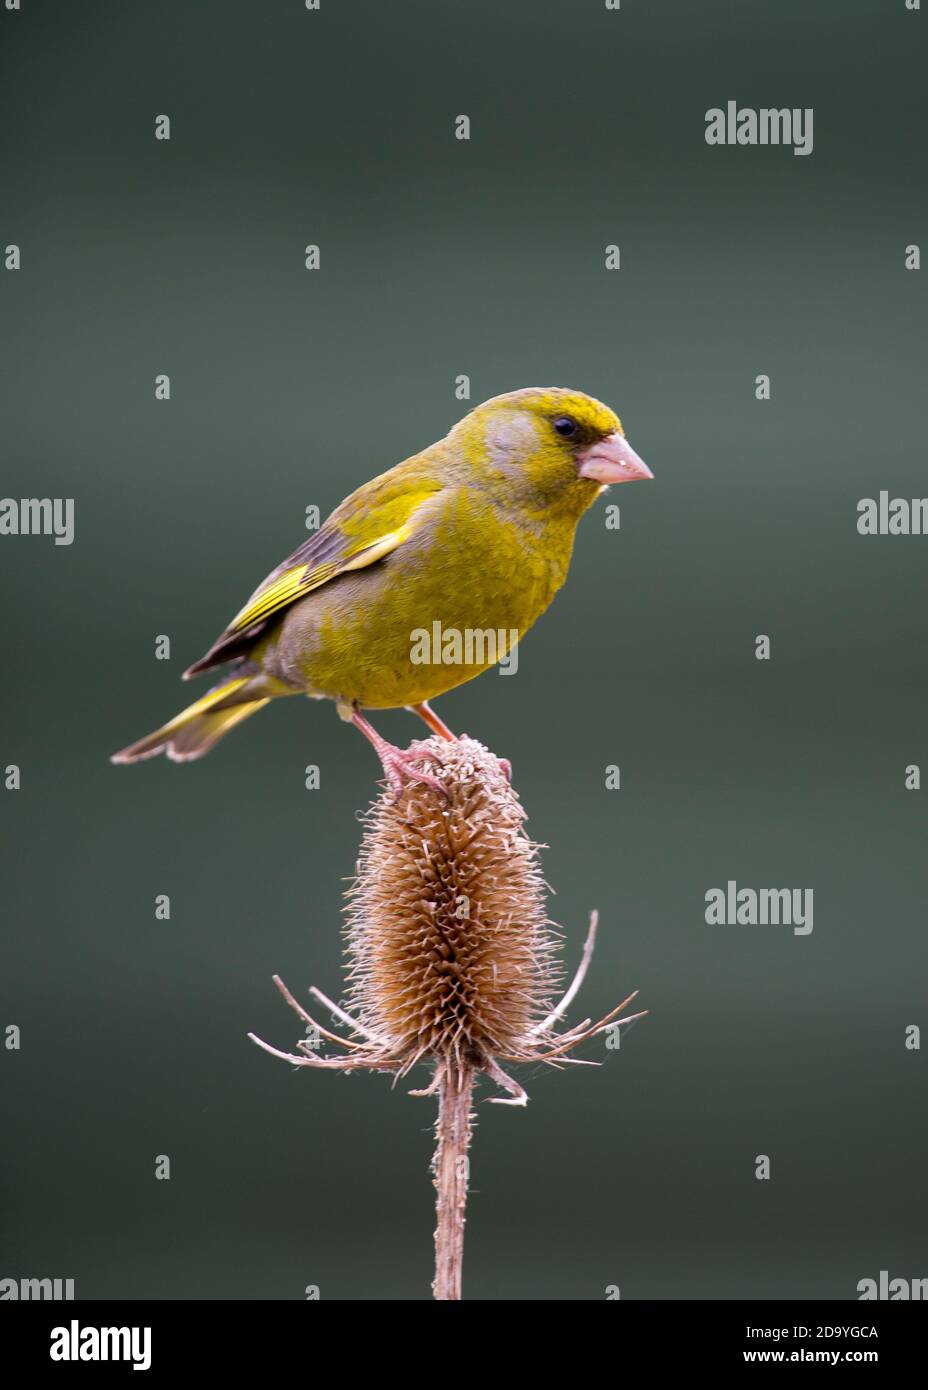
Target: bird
<point x="475" y="534"/>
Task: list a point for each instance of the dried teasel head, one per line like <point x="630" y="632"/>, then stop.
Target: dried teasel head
<point x="452" y="958"/>
<point x="452" y="955"/>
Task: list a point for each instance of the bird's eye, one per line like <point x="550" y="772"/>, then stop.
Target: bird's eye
<point x="565" y="426"/>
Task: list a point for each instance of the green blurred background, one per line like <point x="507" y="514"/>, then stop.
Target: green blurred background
<point x="290" y="388"/>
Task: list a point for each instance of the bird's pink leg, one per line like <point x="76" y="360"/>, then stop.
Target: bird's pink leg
<point x="438" y="726"/>
<point x="398" y="765"/>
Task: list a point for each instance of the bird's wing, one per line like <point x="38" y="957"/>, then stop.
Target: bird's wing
<point x="370" y="524"/>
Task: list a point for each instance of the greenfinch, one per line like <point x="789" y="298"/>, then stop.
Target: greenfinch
<point x="473" y="535"/>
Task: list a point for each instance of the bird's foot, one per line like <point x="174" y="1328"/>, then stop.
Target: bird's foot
<point x="399" y="764"/>
<point x="400" y="768"/>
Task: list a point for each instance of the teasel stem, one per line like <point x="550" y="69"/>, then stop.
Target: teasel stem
<point x="452" y="1168"/>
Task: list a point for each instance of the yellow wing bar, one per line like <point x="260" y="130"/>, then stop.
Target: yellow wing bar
<point x="302" y="579"/>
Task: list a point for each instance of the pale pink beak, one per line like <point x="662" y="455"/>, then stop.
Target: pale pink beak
<point x="613" y="460"/>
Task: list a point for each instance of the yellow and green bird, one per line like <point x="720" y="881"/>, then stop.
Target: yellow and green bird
<point x="474" y="535"/>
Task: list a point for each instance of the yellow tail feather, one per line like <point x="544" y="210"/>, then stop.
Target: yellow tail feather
<point x="196" y="729"/>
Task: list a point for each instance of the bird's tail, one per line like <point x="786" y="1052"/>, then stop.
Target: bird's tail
<point x="193" y="732"/>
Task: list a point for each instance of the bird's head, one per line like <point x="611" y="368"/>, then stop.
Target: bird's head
<point x="548" y="447"/>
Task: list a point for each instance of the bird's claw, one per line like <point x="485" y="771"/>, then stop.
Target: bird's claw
<point x="400" y="769"/>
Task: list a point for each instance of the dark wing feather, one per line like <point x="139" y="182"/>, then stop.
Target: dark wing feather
<point x="375" y="520"/>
